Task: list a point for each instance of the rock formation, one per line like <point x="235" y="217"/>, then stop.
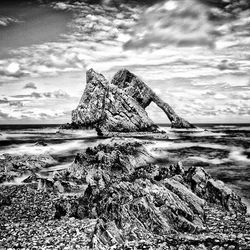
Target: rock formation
<point x="134" y="199"/>
<point x="109" y="109"/>
<point x="115" y="196"/>
<point x="144" y="95"/>
<point x="119" y="107"/>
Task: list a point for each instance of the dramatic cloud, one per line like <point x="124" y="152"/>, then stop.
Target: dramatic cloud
<point x="30" y="85"/>
<point x="179" y="23"/>
<point x="175" y="38"/>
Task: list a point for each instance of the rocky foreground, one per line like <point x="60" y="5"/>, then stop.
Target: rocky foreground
<point x="116" y="196"/>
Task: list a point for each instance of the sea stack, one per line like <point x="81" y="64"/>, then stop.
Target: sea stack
<point x="118" y="107"/>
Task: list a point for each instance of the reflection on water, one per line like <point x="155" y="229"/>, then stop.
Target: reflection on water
<point x="222" y="150"/>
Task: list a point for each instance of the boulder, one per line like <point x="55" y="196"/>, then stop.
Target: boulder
<point x="217" y="191"/>
<point x="214" y="191"/>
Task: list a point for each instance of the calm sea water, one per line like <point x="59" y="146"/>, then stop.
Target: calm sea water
<point x="223" y="150"/>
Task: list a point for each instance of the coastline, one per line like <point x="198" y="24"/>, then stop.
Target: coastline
<point x="39" y="215"/>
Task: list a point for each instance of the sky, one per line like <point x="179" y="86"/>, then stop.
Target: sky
<point x="196" y="57"/>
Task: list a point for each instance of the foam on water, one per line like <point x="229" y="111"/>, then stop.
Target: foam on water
<point x="214" y="161"/>
<point x="32" y="149"/>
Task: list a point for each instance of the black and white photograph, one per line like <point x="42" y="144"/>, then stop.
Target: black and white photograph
<point x="125" y="124"/>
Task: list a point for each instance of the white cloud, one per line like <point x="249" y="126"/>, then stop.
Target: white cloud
<point x="178" y="23"/>
<point x="30" y="85"/>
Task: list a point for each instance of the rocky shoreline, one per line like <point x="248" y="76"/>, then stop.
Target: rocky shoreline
<point x="115" y="196"/>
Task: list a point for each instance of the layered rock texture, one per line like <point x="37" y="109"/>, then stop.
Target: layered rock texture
<point x="115" y="196"/>
<point x="134" y="199"/>
<point x="119" y="106"/>
<point x="144" y="95"/>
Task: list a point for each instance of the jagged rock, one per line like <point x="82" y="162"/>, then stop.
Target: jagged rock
<point x="185" y="194"/>
<point x="117" y="159"/>
<point x="91" y="106"/>
<point x="144" y="95"/>
<point x="119" y="106"/>
<point x="197" y="177"/>
<point x="213" y="190"/>
<point x="109" y="109"/>
<point x="132" y="198"/>
<point x="176" y="169"/>
<point x="217" y="191"/>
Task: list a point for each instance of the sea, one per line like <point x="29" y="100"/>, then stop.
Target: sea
<point x="222" y="149"/>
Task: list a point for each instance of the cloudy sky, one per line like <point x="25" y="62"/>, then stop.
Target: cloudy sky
<point x="195" y="56"/>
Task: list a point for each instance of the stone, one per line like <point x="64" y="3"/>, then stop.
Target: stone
<point x="214" y="191"/>
<point x="144" y="95"/>
<point x="109" y="109"/>
<point x="119" y="107"/>
<point x="218" y="191"/>
<point x="124" y="195"/>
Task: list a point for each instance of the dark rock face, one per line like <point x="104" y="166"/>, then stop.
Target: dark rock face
<point x="119" y="107"/>
<point x="133" y="199"/>
<point x="91" y="106"/>
<point x="144" y="95"/>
